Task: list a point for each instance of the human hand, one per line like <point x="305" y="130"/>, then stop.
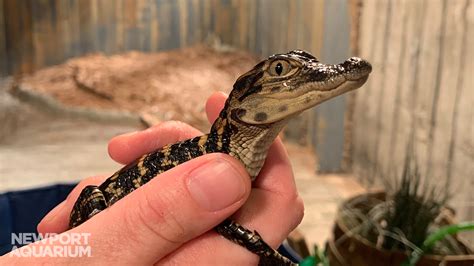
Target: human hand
<point x="162" y="223"/>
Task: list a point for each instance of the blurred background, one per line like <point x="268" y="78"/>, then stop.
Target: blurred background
<point x="75" y="73"/>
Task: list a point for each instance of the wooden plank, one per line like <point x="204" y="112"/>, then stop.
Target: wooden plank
<point x="252" y="30"/>
<point x="317" y="27"/>
<point x="193" y="30"/>
<point x="222" y="26"/>
<point x="360" y="153"/>
<point x="243" y="25"/>
<point x="131" y="13"/>
<point x="259" y="28"/>
<point x="18" y="36"/>
<point x="330" y="115"/>
<point x="106" y="32"/>
<point x="144" y="24"/>
<point x="307" y="13"/>
<point x="371" y="49"/>
<point x="404" y="128"/>
<point x="270" y="34"/>
<point x="431" y="60"/>
<point x="272" y="24"/>
<point x="447" y="85"/>
<point x="461" y="143"/>
<point x="379" y="120"/>
<point x="183" y="22"/>
<point x="377" y="58"/>
<point x="206" y="17"/>
<point x="62" y="29"/>
<point x="292" y="25"/>
<point x="56" y="20"/>
<point x="163" y="10"/>
<point x="234" y="22"/>
<point x="120" y="26"/>
<point x="73" y="39"/>
<point x="154" y="27"/>
<point x="86" y="22"/>
<point x="405" y="26"/>
<point x="282" y="21"/>
<point x="174" y="40"/>
<point x="3" y="52"/>
<point x="299" y="23"/>
<point x="394" y="34"/>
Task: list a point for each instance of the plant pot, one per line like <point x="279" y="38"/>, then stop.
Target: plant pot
<point x="346" y="248"/>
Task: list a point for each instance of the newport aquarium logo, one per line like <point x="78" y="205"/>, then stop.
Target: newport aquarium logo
<point x="50" y="245"/>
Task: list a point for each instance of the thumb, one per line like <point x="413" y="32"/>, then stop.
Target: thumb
<point x="171" y="209"/>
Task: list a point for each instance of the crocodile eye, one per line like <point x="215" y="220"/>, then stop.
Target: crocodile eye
<point x="279" y="68"/>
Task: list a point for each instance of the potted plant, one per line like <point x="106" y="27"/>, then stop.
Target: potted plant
<point x="409" y="225"/>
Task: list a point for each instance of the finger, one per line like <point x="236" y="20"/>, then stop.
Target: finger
<point x="57" y="220"/>
<point x="274" y="209"/>
<point x="126" y="148"/>
<point x="214" y="105"/>
<point x="179" y="205"/>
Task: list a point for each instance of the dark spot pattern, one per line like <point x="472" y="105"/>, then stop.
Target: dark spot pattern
<point x="260" y="117"/>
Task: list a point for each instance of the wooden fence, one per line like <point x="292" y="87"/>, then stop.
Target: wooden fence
<point x="38" y="33"/>
<point x="421" y="92"/>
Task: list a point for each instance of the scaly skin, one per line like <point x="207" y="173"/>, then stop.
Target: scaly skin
<point x="260" y="104"/>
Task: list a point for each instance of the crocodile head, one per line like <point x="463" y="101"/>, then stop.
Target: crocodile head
<point x="286" y="84"/>
<point x="275" y="90"/>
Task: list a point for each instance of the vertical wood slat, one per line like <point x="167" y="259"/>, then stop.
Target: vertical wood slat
<point x="3" y="52"/>
<point x="376" y="56"/>
<point x="131" y="13"/>
<point x="461" y="150"/>
<point x="406" y="80"/>
<point x="105" y="32"/>
<point x="451" y="71"/>
<point x="360" y="157"/>
<point x="373" y="17"/>
<point x="329" y="133"/>
<point x="86" y="22"/>
<point x="382" y="84"/>
<point x="393" y="51"/>
<point x="18" y="36"/>
<point x="431" y="66"/>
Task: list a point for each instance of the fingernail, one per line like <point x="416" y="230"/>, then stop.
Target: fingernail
<point x="216" y="185"/>
<point x="54" y="212"/>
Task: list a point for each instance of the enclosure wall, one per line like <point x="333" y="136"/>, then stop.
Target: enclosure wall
<point x="38" y="33"/>
<point x="421" y="92"/>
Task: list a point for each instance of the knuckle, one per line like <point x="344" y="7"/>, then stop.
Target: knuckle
<point x="298" y="209"/>
<point x="295" y="208"/>
<point x="156" y="215"/>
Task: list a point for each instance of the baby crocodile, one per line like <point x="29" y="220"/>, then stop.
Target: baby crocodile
<point x="260" y="104"/>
